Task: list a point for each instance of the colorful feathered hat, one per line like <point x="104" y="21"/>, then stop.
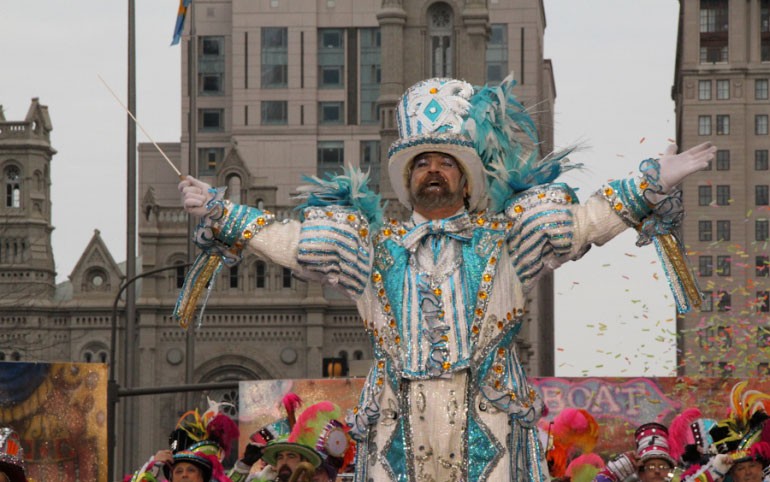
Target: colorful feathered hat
<point x="745" y="433"/>
<point x="212" y="433"/>
<point x="12" y="455"/>
<point x="573" y="436"/>
<point x="320" y="437"/>
<point x="689" y="438"/>
<point x="652" y="443"/>
<point x="486" y="129"/>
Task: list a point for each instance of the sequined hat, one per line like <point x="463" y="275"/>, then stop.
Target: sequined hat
<point x="430" y="117"/>
<point x="11" y="455"/>
<point x="652" y="443"/>
<point x="197" y="459"/>
<point x="486" y="129"/>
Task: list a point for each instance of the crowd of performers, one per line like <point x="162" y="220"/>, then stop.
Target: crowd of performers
<point x="315" y="445"/>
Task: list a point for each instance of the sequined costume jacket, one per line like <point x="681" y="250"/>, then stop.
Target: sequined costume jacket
<point x="463" y="319"/>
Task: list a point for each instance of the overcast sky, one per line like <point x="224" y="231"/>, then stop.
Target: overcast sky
<point x="613" y="66"/>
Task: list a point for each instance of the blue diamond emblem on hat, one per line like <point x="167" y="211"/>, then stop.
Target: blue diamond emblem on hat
<point x="433" y="110"/>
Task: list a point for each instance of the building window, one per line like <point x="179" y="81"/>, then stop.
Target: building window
<point x="497" y="53"/>
<point x="370" y="162"/>
<point x="723" y="160"/>
<point x="211" y="120"/>
<point x="330" y="113"/>
<point x="760" y="89"/>
<point x="234" y="189"/>
<point x="723" y="89"/>
<point x="331" y="157"/>
<point x="761" y="195"/>
<point x="760" y="160"/>
<point x="707" y="369"/>
<point x="286" y="278"/>
<point x="723" y="125"/>
<point x="275" y="112"/>
<point x="704" y="125"/>
<point x="179" y="274"/>
<point x="713" y="31"/>
<point x="211" y="65"/>
<point x="723" y="195"/>
<point x="762" y="266"/>
<point x="761" y="230"/>
<point x="12" y="187"/>
<point x="704" y="90"/>
<point x="234" y="276"/>
<point x="764" y="23"/>
<point x="708" y="301"/>
<point x="440" y="26"/>
<point x="704" y="231"/>
<point x="724" y="301"/>
<point x="763" y="369"/>
<point x="726" y="369"/>
<point x="723" y="265"/>
<point x="331" y="58"/>
<point x="763" y="302"/>
<point x="763" y="336"/>
<point x="209" y="159"/>
<point x="260" y="274"/>
<point x="275" y="57"/>
<point x="705" y="265"/>
<point x="704" y="195"/>
<point x="723" y="230"/>
<point x="371" y="74"/>
<point x="760" y="125"/>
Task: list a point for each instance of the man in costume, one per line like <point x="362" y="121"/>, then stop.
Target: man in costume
<point x="442" y="294"/>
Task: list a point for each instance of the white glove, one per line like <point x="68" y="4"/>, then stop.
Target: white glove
<point x="674" y="168"/>
<point x="195" y="196"/>
<point x="722" y="463"/>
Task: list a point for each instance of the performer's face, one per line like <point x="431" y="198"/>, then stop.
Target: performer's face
<point x="749" y="471"/>
<point x="186" y="472"/>
<point x="436" y="182"/>
<point x="655" y="470"/>
<point x="286" y="463"/>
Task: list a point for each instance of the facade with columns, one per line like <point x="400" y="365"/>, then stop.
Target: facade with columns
<point x="284" y="89"/>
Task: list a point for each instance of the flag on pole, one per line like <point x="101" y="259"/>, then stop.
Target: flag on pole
<point x="184" y="6"/>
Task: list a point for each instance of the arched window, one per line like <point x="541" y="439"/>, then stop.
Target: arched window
<point x="12" y="187"/>
<point x="358" y="355"/>
<point x="440" y="23"/>
<point x="234" y="188"/>
<point x="260" y="272"/>
<point x="95" y="353"/>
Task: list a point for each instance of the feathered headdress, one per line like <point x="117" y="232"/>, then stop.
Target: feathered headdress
<point x="744" y="431"/>
<point x="689" y="438"/>
<point x="212" y="433"/>
<point x="574" y="432"/>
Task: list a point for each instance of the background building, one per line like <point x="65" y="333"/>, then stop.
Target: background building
<point x="282" y="89"/>
<point x="721" y="95"/>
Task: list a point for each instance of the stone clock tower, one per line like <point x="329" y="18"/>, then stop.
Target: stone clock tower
<point x="26" y="258"/>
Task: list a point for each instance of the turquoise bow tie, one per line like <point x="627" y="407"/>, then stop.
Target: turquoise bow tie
<point x="457" y="227"/>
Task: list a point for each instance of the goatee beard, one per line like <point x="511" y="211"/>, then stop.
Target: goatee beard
<point x="428" y="197"/>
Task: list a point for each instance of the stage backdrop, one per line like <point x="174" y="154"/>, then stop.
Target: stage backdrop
<point x="618" y="404"/>
<point x="60" y="413"/>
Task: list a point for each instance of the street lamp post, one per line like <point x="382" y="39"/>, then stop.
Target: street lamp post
<point x="113" y="387"/>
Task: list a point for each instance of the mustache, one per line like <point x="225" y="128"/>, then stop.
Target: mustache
<point x="434" y="178"/>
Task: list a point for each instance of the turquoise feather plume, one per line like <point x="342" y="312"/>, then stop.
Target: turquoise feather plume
<point x="350" y="189"/>
<point x="506" y="139"/>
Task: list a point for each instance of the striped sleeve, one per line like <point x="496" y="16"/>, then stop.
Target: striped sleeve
<point x="334" y="245"/>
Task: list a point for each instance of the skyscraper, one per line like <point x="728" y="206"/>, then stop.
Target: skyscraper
<point x="721" y="95"/>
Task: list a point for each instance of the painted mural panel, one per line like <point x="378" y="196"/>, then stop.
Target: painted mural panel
<point x="59" y="411"/>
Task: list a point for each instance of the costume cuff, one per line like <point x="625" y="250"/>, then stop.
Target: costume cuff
<point x="626" y="198"/>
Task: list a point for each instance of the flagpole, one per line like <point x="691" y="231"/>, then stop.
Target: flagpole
<point x="192" y="76"/>
<point x="129" y="440"/>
